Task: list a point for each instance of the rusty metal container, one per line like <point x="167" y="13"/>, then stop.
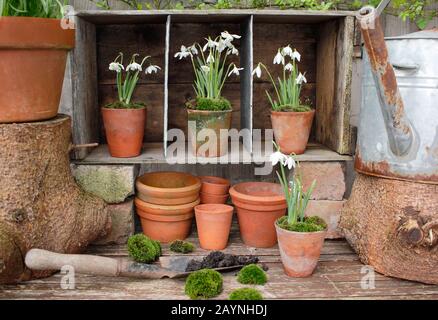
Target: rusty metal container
<point x="398" y="126"/>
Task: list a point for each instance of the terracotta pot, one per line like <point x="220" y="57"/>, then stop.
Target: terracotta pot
<point x="215" y="121"/>
<point x="258" y="206"/>
<point x="213" y="222"/>
<point x="166" y="228"/>
<point x="214" y="185"/>
<point x="124" y="130"/>
<point x="33" y="54"/>
<point x="168" y="188"/>
<point x="213" y="198"/>
<point x="165" y="210"/>
<point x="299" y="251"/>
<point x="292" y="130"/>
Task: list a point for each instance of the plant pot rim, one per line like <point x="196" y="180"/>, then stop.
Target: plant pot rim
<point x="206" y="208"/>
<point x="143" y="204"/>
<point x="207" y="111"/>
<point x="265" y="200"/>
<point x="165" y="218"/>
<point x="297" y="232"/>
<point x="213" y="180"/>
<point x="292" y="112"/>
<point x="189" y="188"/>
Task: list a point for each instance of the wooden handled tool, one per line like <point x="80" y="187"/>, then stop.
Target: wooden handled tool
<point x="38" y="259"/>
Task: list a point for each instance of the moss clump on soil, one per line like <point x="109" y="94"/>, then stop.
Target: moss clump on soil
<point x="208" y="104"/>
<point x="218" y="259"/>
<point x="181" y="246"/>
<point x="252" y="274"/>
<point x="245" y="294"/>
<point x="143" y="249"/>
<point x="289" y="108"/>
<point x="123" y="105"/>
<point x="310" y="224"/>
<point x="204" y="284"/>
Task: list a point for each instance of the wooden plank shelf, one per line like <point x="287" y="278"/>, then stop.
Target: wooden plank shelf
<point x="154" y="153"/>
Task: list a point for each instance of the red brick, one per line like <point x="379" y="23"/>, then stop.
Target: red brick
<point x="330" y="211"/>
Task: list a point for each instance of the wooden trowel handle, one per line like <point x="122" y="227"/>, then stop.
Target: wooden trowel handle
<point x="38" y="259"/>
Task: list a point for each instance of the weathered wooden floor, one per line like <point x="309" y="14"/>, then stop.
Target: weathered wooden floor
<point x="338" y="276"/>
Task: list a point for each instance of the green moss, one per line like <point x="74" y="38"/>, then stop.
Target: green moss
<point x="310" y="224"/>
<point x="181" y="246"/>
<point x="123" y="105"/>
<point x="290" y="108"/>
<point x="245" y="294"/>
<point x="252" y="274"/>
<point x="143" y="249"/>
<point x="220" y="104"/>
<point x="205" y="283"/>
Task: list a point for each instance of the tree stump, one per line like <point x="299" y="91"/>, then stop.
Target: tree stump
<point x="393" y="226"/>
<point x="40" y="204"/>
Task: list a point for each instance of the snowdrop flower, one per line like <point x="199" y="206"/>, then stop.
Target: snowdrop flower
<point x="296" y="55"/>
<point x="152" y="69"/>
<point x="193" y="49"/>
<point x="235" y="70"/>
<point x="210" y="44"/>
<point x="133" y="66"/>
<point x="115" y="66"/>
<point x="210" y="58"/>
<point x="289" y="67"/>
<point x="289" y="162"/>
<point x="183" y="53"/>
<point x="287" y="51"/>
<point x="229" y="37"/>
<point x="278" y="59"/>
<point x="257" y="71"/>
<point x="205" y="68"/>
<point x="277" y="157"/>
<point x="233" y="50"/>
<point x="300" y="79"/>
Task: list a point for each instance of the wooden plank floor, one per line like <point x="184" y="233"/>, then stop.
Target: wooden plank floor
<point x="338" y="276"/>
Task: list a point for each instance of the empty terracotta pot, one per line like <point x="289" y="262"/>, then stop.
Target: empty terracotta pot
<point x="168" y="188"/>
<point x="124" y="130"/>
<point x="166" y="210"/>
<point x="166" y="228"/>
<point x="33" y="55"/>
<point x="213" y="222"/>
<point x="292" y="130"/>
<point x="213" y="198"/>
<point x="299" y="251"/>
<point x="214" y="185"/>
<point x="258" y="206"/>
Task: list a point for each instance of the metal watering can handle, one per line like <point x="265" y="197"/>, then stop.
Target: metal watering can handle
<point x="398" y="127"/>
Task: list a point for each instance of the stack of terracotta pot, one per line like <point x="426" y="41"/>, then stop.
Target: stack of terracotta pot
<point x="214" y="189"/>
<point x="165" y="202"/>
<point x="258" y="205"/>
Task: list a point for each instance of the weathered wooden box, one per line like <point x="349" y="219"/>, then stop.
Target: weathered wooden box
<point x="324" y="39"/>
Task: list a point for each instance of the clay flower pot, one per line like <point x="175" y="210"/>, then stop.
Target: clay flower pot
<point x="214" y="185"/>
<point x="213" y="198"/>
<point x="124" y="130"/>
<point x="299" y="251"/>
<point x="258" y="205"/>
<point x="33" y="54"/>
<point x="213" y="222"/>
<point x="168" y="188"/>
<point x="215" y="121"/>
<point x="292" y="130"/>
<point x="165" y="210"/>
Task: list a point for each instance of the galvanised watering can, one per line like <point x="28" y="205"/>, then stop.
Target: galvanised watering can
<point x="398" y="126"/>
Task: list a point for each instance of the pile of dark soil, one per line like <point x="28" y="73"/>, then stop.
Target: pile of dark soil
<point x="218" y="259"/>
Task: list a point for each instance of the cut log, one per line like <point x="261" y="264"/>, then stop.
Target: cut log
<point x="40" y="204"/>
<point x="393" y="226"/>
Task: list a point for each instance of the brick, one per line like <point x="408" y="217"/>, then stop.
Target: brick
<point x="330" y="211"/>
<point x="329" y="176"/>
<point x="112" y="183"/>
<point x="122" y="227"/>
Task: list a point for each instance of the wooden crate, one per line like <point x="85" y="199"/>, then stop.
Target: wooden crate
<point x="325" y="40"/>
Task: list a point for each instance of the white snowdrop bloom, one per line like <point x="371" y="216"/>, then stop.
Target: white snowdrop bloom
<point x="289" y="67"/>
<point x="152" y="69"/>
<point x="235" y="70"/>
<point x="205" y="68"/>
<point x="183" y="53"/>
<point x="296" y="55"/>
<point x="278" y="59"/>
<point x="133" y="66"/>
<point x="229" y="37"/>
<point x="193" y="50"/>
<point x="287" y="51"/>
<point x="210" y="44"/>
<point x="257" y="71"/>
<point x="277" y="157"/>
<point x="115" y="66"/>
<point x="289" y="162"/>
<point x="300" y="79"/>
<point x="235" y="51"/>
<point x="222" y="45"/>
<point x="210" y="58"/>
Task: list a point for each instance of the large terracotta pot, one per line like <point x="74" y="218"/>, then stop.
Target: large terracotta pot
<point x="214" y="121"/>
<point x="213" y="222"/>
<point x="258" y="205"/>
<point x="299" y="251"/>
<point x="168" y="188"/>
<point x="33" y="54"/>
<point x="124" y="130"/>
<point x="292" y="130"/>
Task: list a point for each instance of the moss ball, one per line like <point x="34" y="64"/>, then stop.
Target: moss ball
<point x="181" y="246"/>
<point x="143" y="249"/>
<point x="252" y="274"/>
<point x="245" y="294"/>
<point x="204" y="284"/>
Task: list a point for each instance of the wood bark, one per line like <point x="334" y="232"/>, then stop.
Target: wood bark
<point x="40" y="204"/>
<point x="393" y="226"/>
